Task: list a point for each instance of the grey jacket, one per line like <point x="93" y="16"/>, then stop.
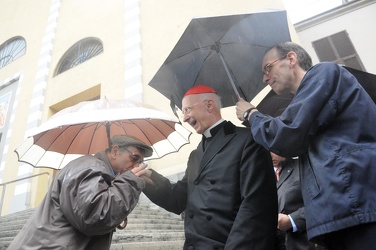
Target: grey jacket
<point x="83" y="207"/>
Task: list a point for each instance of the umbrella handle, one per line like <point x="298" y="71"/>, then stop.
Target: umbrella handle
<point x="108" y="134"/>
<point x="230" y="77"/>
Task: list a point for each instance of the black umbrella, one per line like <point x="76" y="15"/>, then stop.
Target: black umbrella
<point x="274" y="104"/>
<point x="367" y="80"/>
<point x="224" y="52"/>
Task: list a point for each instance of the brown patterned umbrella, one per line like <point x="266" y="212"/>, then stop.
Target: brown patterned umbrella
<point x="87" y="127"/>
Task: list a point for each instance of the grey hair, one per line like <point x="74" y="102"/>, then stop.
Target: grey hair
<point x="304" y="59"/>
<point x="212" y="96"/>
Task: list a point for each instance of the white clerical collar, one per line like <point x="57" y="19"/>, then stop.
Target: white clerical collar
<point x="207" y="133"/>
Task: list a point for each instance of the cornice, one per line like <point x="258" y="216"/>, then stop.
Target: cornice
<point x="332" y="13"/>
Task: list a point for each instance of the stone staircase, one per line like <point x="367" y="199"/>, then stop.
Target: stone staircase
<point x="149" y="228"/>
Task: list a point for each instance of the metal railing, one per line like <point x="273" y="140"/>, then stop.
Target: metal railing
<point x="21" y="179"/>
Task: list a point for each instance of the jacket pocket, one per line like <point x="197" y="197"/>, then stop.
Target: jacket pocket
<point x="309" y="184"/>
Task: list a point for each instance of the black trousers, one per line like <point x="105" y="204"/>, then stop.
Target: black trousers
<point x="279" y="243"/>
<point x="361" y="237"/>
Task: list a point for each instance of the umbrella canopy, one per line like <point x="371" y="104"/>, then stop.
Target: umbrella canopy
<point x="367" y="80"/>
<point x="223" y="52"/>
<point x="274" y="104"/>
<point x="87" y="127"/>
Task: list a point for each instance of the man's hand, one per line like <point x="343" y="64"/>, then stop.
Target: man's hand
<point x="144" y="173"/>
<point x="284" y="222"/>
<point x="241" y="107"/>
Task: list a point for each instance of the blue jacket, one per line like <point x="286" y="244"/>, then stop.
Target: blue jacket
<point x="331" y="126"/>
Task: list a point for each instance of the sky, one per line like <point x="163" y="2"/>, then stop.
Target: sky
<point x="299" y="10"/>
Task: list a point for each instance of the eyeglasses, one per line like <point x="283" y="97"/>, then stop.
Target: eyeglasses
<point x="268" y="66"/>
<point x="188" y="110"/>
<point x="134" y="157"/>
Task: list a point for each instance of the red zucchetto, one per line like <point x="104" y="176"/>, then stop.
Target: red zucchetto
<point x="199" y="89"/>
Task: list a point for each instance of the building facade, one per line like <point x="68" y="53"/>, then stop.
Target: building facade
<point x="343" y="35"/>
<point x="54" y="54"/>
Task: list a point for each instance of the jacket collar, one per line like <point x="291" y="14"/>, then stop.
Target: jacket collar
<point x="103" y="157"/>
<point x="210" y="132"/>
<point x="218" y="142"/>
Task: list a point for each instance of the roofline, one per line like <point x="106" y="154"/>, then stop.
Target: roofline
<point x="332" y="13"/>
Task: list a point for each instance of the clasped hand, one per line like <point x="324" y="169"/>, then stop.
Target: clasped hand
<point x="144" y="173"/>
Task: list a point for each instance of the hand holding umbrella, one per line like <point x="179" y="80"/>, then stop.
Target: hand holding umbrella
<point x="242" y="107"/>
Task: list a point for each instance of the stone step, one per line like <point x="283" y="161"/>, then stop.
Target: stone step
<point x="149" y="227"/>
<point x="18" y="216"/>
<point x="4" y="246"/>
<point x="155" y="226"/>
<point x="152" y="215"/>
<point x="136" y="213"/>
<point x="12" y="231"/>
<point x="166" y="245"/>
<point x="8" y="233"/>
<point x="149" y="216"/>
<point x="149" y="211"/>
<point x="147" y="236"/>
<point x="4" y="242"/>
<point x="133" y="239"/>
<point x="166" y="224"/>
<point x="162" y="220"/>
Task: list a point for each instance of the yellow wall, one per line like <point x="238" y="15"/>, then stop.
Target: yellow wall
<point x="162" y="22"/>
<point x="26" y="19"/>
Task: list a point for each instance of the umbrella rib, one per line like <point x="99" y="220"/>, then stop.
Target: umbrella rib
<point x="177" y="149"/>
<point x="246" y="44"/>
<point x="208" y="33"/>
<point x="224" y="33"/>
<point x="97" y="125"/>
<point x="74" y="137"/>
<point x="46" y="150"/>
<point x="142" y="130"/>
<point x="150" y="143"/>
<point x="55" y="139"/>
<point x="189" y="52"/>
<point x="162" y="132"/>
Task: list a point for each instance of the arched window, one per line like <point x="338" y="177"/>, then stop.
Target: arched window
<point x="12" y="50"/>
<point x="80" y="52"/>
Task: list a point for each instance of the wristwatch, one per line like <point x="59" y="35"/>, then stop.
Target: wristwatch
<point x="246" y="113"/>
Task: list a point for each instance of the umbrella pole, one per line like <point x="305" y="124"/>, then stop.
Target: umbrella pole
<point x="230" y="77"/>
<point x="108" y="134"/>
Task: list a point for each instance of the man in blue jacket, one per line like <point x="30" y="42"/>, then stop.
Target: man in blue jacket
<point x="330" y="125"/>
